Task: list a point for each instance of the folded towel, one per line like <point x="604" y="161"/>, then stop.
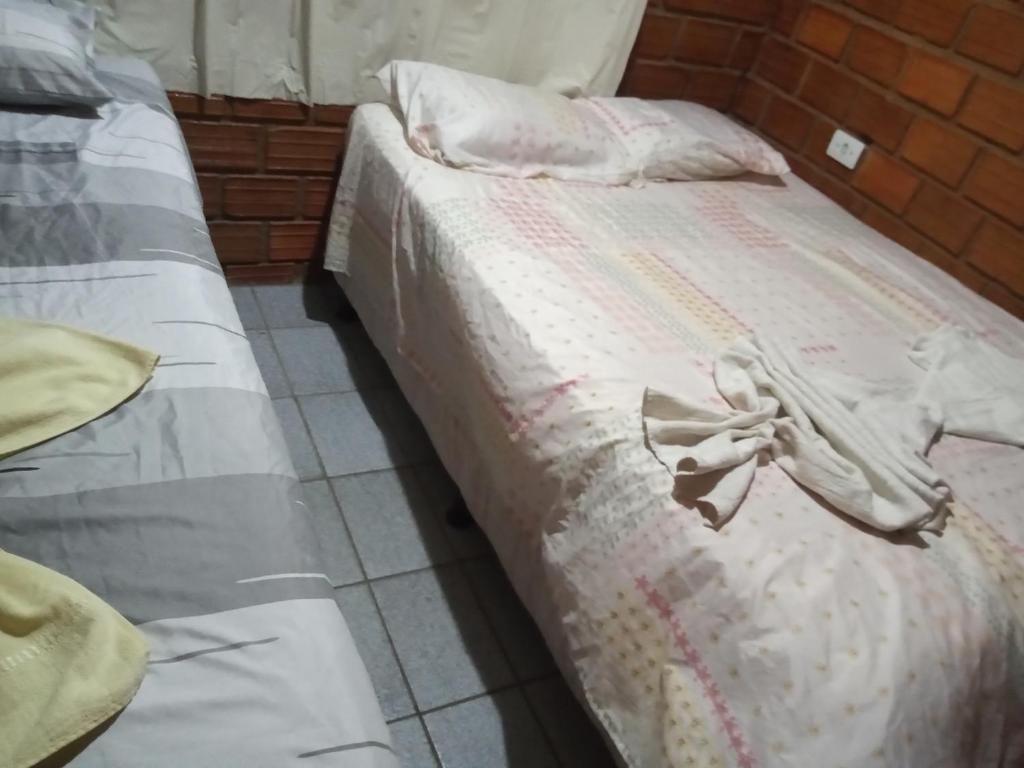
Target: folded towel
<point x="54" y="379"/>
<point x="68" y="661"/>
<point x="860" y="445"/>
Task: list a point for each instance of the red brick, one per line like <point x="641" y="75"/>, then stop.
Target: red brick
<point x="968" y="275"/>
<point x="215" y="106"/>
<point x="268" y="109"/>
<point x="885" y="10"/>
<point x="875" y="55"/>
<point x="891" y="227"/>
<point x="223" y="146"/>
<point x="825" y="31"/>
<point x="239" y="242"/>
<point x="787" y="14"/>
<point x="942" y="259"/>
<point x="817" y="142"/>
<point x="995" y="37"/>
<point x="934" y="20"/>
<point x="705" y="42"/>
<point x="757" y="11"/>
<point x="751" y="99"/>
<point x="185" y="104"/>
<point x="996" y="111"/>
<point x="294" y="241"/>
<point x="885" y="180"/>
<point x="712" y="89"/>
<point x="746" y="49"/>
<point x="210" y="189"/>
<point x="316" y="196"/>
<point x="936" y="83"/>
<point x="332" y="114"/>
<point x="263" y="273"/>
<point x="654" y="81"/>
<point x="829" y="90"/>
<point x="781" y="64"/>
<point x="942" y="217"/>
<point x="962" y="271"/>
<point x="874" y="116"/>
<point x="1002" y="297"/>
<point x="998" y="184"/>
<point x="315" y="150"/>
<point x="999" y="251"/>
<point x="786" y="122"/>
<point x="938" y="151"/>
<point x="657" y="36"/>
<point x="261" y="197"/>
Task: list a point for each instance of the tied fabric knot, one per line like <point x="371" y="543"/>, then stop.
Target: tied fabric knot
<point x="861" y="446"/>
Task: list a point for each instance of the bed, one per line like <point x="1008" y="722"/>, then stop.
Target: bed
<point x="180" y="508"/>
<point x="523" y="320"/>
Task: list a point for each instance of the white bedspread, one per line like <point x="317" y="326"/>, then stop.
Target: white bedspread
<point x="524" y="320"/>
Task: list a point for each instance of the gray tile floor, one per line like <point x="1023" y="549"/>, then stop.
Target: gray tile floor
<point x="460" y="669"/>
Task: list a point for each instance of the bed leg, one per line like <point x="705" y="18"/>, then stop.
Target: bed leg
<point x="458" y="515"/>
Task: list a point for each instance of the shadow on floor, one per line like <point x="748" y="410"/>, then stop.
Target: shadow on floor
<point x="516" y="699"/>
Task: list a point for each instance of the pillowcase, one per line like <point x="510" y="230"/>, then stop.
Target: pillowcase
<point x="46" y="56"/>
<point x="680" y="140"/>
<point x="482" y="124"/>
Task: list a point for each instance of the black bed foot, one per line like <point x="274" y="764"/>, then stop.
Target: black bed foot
<point x="458" y="515"/>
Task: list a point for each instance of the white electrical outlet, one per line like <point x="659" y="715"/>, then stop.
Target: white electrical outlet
<point x="845" y="149"/>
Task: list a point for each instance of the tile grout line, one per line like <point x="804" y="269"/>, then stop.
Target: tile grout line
<point x="368" y="583"/>
<point x="520" y="682"/>
<point x="458" y="562"/>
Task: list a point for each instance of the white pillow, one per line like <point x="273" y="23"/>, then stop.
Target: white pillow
<point x="487" y="125"/>
<point x="680" y="140"/>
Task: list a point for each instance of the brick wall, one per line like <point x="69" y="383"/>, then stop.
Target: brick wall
<point x="935" y="87"/>
<point x="696" y="49"/>
<point x="266" y="171"/>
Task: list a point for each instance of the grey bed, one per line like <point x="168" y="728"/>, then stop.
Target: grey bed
<point x="180" y="508"/>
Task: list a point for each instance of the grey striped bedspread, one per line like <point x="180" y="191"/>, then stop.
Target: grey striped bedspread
<point x="180" y="508"/>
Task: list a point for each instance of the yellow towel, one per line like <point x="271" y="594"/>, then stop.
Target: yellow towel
<point x="54" y="379"/>
<point x="68" y="661"/>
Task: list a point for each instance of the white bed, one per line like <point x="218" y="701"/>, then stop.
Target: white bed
<point x="523" y="320"/>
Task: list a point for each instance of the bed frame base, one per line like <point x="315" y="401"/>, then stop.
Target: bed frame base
<point x="458" y="515"/>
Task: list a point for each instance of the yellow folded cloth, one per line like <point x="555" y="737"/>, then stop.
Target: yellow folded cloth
<point x="54" y="379"/>
<point x="68" y="661"/>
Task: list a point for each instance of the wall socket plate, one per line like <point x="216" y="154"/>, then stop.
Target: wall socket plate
<point x="845" y="149"/>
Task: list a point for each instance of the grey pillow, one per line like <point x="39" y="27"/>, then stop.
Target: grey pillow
<point x="46" y="54"/>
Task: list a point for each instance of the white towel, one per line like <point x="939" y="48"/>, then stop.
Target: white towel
<point x="861" y="446"/>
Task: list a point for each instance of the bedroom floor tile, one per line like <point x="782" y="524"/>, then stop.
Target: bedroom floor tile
<point x="515" y="629"/>
<point x="367" y="628"/>
<point x="339" y="556"/>
<point x="248" y="309"/>
<point x="498" y="731"/>
<point x="299" y="304"/>
<point x="304" y="457"/>
<point x="394" y="526"/>
<point x="329" y="359"/>
<point x="351" y="433"/>
<point x="401" y="421"/>
<point x="445" y="631"/>
<point x="443" y="642"/>
<point x="269" y="365"/>
<point x="576" y="739"/>
<point x="411" y="744"/>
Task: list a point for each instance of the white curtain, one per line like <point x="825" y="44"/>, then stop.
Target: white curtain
<point x="327" y="51"/>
